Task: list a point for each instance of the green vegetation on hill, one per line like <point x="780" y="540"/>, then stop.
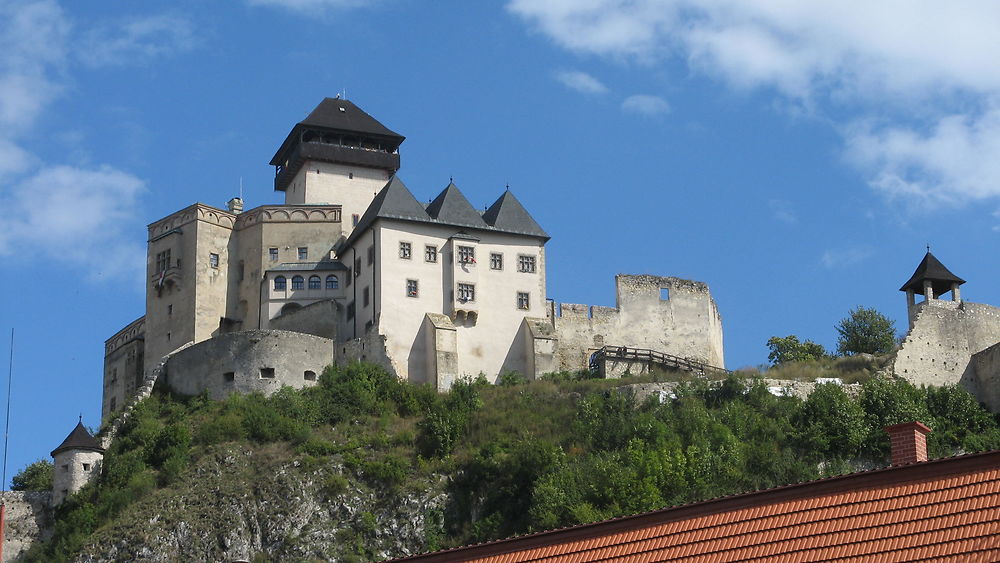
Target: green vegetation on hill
<point x="521" y="456"/>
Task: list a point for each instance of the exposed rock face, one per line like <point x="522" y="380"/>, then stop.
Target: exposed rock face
<point x="237" y="504"/>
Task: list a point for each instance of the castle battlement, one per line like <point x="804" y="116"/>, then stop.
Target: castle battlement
<point x="289" y="214"/>
<point x="135" y="329"/>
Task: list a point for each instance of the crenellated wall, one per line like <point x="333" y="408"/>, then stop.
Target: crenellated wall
<point x="666" y="314"/>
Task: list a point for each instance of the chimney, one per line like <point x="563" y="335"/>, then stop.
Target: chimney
<point x="909" y="442"/>
<point x="235" y="205"/>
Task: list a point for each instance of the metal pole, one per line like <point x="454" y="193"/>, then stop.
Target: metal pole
<point x="6" y="433"/>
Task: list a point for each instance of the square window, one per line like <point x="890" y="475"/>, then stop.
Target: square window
<point x="303" y="252"/>
<point x="526" y="264"/>
<point x="431" y="253"/>
<point x="86" y="467"/>
<point x="267" y="373"/>
<point x="405" y="250"/>
<point x="466" y="292"/>
<point x="163" y="261"/>
<point x="496" y="261"/>
<point x="466" y="255"/>
<point x="411" y="288"/>
<point x="523" y="300"/>
<point x="371" y="255"/>
<point x="272" y="253"/>
<point x="364" y="297"/>
<point x="213" y="260"/>
<point x="229" y="376"/>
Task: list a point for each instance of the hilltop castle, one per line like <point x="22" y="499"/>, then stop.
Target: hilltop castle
<point x="353" y="267"/>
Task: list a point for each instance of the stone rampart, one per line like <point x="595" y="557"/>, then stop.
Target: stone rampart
<point x="248" y="361"/>
<point x="666" y="314"/>
<point x="319" y="319"/>
<point x="986" y="365"/>
<point x="28" y="520"/>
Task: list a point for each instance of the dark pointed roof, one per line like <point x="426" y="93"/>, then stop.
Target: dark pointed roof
<point x="932" y="269"/>
<point x="507" y="214"/>
<point x="328" y="116"/>
<point x="450" y="206"/>
<point x="79" y="439"/>
<point x="394" y="201"/>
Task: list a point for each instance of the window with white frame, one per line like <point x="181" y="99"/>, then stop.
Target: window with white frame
<point x="412" y="289"/>
<point x="526" y="263"/>
<point x="280" y="283"/>
<point x="523" y="300"/>
<point x="332" y="282"/>
<point x="466" y="292"/>
<point x="466" y="255"/>
<point x="298" y="282"/>
<point x="430" y="253"/>
<point x="405" y="250"/>
<point x="213" y="259"/>
<point x="303" y="252"/>
<point x="496" y="261"/>
<point x="272" y="253"/>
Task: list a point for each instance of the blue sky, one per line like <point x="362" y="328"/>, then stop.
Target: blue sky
<point x="796" y="156"/>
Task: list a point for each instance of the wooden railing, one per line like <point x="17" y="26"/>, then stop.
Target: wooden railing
<point x="651" y="357"/>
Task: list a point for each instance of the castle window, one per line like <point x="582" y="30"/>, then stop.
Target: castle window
<point x="405" y="250"/>
<point x="162" y="261"/>
<point x="466" y="292"/>
<point x="371" y="255"/>
<point x="298" y="282"/>
<point x="350" y="175"/>
<point x="86" y="467"/>
<point x="309" y="375"/>
<point x="315" y="282"/>
<point x="332" y="282"/>
<point x="526" y="264"/>
<point x="523" y="300"/>
<point x="664" y="294"/>
<point x="466" y="255"/>
<point x="65" y="467"/>
<point x="280" y="283"/>
<point x="364" y="297"/>
<point x="303" y="252"/>
<point x="354" y="219"/>
<point x="496" y="261"/>
<point x="229" y="376"/>
<point x="267" y="373"/>
<point x="272" y="253"/>
<point x="430" y="253"/>
<point x="213" y="259"/>
<point x="411" y="288"/>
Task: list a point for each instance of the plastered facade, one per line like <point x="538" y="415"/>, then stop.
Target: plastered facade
<point x="72" y="470"/>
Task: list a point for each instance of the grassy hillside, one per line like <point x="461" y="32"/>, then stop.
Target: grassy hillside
<point x="365" y="467"/>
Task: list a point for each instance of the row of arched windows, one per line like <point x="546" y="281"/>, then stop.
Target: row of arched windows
<point x="298" y="282"/>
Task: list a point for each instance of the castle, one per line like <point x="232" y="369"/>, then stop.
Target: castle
<point x="353" y="267"/>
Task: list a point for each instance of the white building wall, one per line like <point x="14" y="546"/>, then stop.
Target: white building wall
<point x="323" y="183"/>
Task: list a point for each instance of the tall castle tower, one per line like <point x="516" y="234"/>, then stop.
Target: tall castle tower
<point x="337" y="155"/>
<point x="932" y="280"/>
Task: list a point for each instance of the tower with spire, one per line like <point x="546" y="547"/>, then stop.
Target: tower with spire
<point x="931" y="280"/>
<point x="76" y="461"/>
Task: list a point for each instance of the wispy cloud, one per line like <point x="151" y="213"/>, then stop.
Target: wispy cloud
<point x="581" y="82"/>
<point x="841" y="258"/>
<point x="137" y="40"/>
<point x="310" y="6"/>
<point x="783" y="211"/>
<point x="916" y="101"/>
<point x="645" y="104"/>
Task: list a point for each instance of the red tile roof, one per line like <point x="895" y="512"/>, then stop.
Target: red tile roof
<point x="946" y="509"/>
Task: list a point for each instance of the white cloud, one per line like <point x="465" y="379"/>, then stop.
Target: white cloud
<point x="645" y="104"/>
<point x="310" y="6"/>
<point x="136" y="41"/>
<point x="783" y="211"/>
<point x="581" y="82"/>
<point x="842" y="258"/>
<point x="917" y="62"/>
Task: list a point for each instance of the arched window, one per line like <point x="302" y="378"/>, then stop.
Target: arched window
<point x="298" y="282"/>
<point x="289" y="307"/>
<point x="315" y="282"/>
<point x="332" y="282"/>
<point x="279" y="283"/>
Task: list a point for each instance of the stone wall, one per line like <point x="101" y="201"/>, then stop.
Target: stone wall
<point x="248" y="361"/>
<point x="72" y="469"/>
<point x="945" y="335"/>
<point x="665" y="314"/>
<point x="986" y="365"/>
<point x="28" y="520"/>
<point x="319" y="319"/>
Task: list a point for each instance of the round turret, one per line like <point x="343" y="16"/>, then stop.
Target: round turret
<point x="75" y="462"/>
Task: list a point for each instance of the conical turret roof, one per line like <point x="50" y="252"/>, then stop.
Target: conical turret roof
<point x="932" y="269"/>
<point x="507" y="214"/>
<point x="79" y="439"/>
<point x="450" y="206"/>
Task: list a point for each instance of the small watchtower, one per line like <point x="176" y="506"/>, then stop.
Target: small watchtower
<point x="932" y="280"/>
<point x="75" y="461"/>
<point x="338" y="155"/>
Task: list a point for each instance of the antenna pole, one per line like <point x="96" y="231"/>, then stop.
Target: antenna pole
<point x="6" y="434"/>
<point x="241" y="188"/>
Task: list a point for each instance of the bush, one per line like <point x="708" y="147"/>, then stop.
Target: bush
<point x="865" y="331"/>
<point x="36" y="476"/>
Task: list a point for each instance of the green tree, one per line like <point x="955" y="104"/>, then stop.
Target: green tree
<point x="35" y="477"/>
<point x="789" y="349"/>
<point x="865" y="331"/>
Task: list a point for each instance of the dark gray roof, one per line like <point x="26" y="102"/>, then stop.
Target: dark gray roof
<point x="394" y="201"/>
<point x="507" y="214"/>
<point x="328" y="116"/>
<point x="79" y="439"/>
<point x="932" y="269"/>
<point x="450" y="206"/>
<point x="307" y="266"/>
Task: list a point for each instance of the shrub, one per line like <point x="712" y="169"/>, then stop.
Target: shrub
<point x="789" y="349"/>
<point x="865" y="331"/>
<point x="36" y="476"/>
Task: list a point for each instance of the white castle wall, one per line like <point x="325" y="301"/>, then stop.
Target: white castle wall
<point x="237" y="362"/>
<point x="72" y="470"/>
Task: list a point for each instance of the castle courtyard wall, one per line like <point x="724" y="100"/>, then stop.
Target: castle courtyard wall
<point x="248" y="361"/>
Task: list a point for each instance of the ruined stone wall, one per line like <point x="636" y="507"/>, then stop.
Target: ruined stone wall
<point x="368" y="348"/>
<point x="945" y="335"/>
<point x="986" y="365"/>
<point x="248" y="361"/>
<point x="28" y="520"/>
<point x="319" y="319"/>
<point x="681" y="320"/>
